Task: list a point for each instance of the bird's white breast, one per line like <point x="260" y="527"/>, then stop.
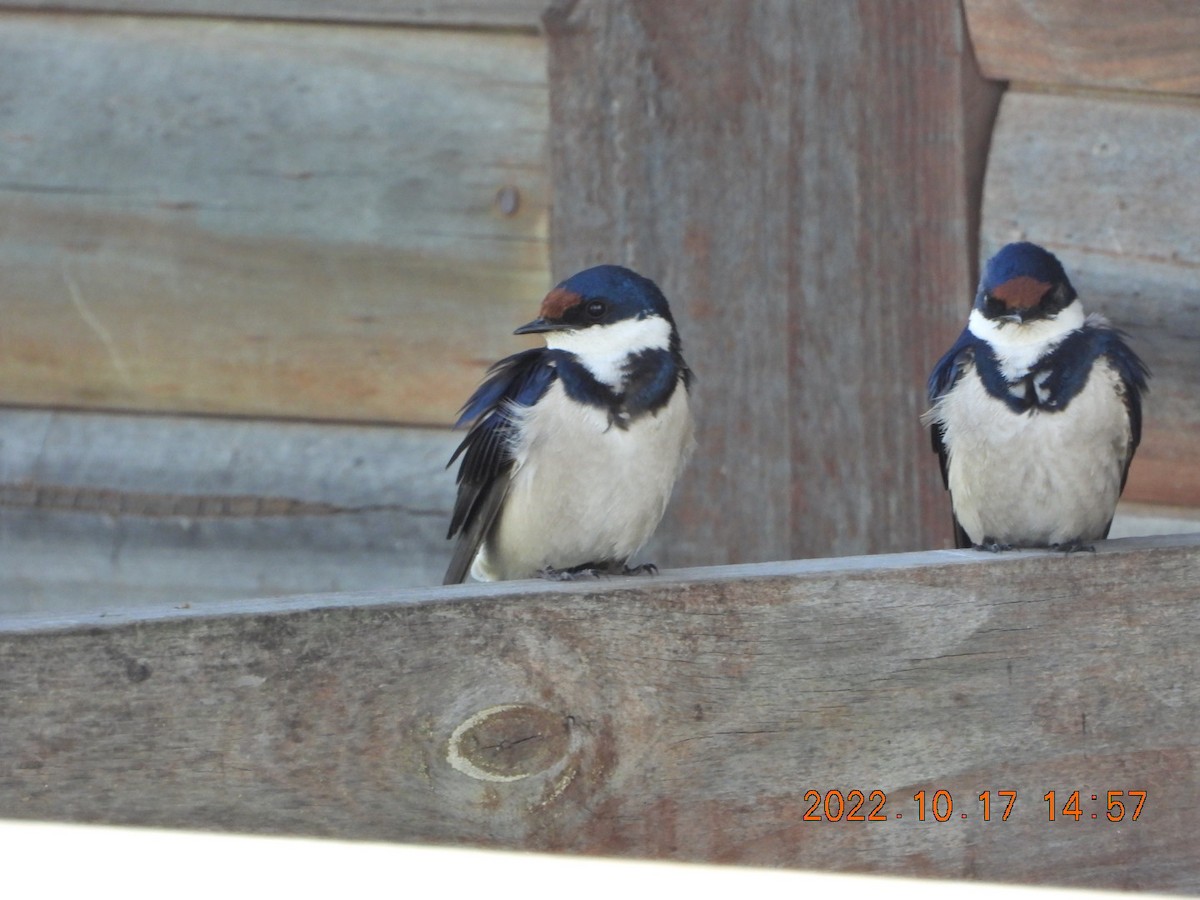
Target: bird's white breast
<point x="1036" y="478"/>
<point x="584" y="490"/>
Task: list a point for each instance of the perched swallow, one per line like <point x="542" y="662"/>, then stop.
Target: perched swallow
<point x="1036" y="411"/>
<point x="574" y="448"/>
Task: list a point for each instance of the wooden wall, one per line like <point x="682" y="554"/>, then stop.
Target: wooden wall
<point x="312" y="224"/>
<point x="804" y="179"/>
<point x="1095" y="154"/>
<point x="274" y="219"/>
<point x="516" y="15"/>
<point x="242" y="244"/>
<point x="101" y="510"/>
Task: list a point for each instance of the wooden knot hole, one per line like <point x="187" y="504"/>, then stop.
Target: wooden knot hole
<point x="509" y="742"/>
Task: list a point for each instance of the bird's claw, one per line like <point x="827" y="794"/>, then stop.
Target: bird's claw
<point x="643" y="569"/>
<point x="993" y="546"/>
<point x="595" y="570"/>
<point x="1075" y="546"/>
<point x="578" y="573"/>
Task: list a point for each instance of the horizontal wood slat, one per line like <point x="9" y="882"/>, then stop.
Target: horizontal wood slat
<point x="266" y="219"/>
<point x="685" y="716"/>
<point x="100" y="509"/>
<point x="1110" y="186"/>
<point x="1106" y="44"/>
<point x="523" y="14"/>
<point x="97" y="510"/>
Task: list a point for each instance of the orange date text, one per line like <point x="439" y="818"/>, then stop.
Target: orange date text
<point x="852" y="806"/>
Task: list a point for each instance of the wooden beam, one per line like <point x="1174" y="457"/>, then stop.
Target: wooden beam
<point x="687" y="716"/>
<point x="100" y="510"/>
<point x="805" y="191"/>
<point x="266" y="219"/>
<point x="1089" y="43"/>
<point x="518" y="14"/>
<point x="1109" y="184"/>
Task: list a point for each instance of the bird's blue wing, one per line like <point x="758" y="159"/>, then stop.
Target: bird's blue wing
<point x="943" y="377"/>
<point x="950" y="367"/>
<point x="486" y="451"/>
<point x="1133" y="374"/>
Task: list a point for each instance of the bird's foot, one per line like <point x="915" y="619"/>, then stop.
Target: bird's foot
<point x="993" y="546"/>
<point x="1075" y="546"/>
<point x="575" y="573"/>
<point x="595" y="570"/>
<point x="643" y="569"/>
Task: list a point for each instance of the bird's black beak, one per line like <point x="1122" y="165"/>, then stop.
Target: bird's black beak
<point x="540" y="326"/>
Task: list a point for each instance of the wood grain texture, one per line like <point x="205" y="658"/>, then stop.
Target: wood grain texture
<point x="265" y="219"/>
<point x="1110" y="185"/>
<point x="800" y="182"/>
<point x="680" y="717"/>
<point x="1152" y="46"/>
<point x="522" y="14"/>
<point x="100" y="510"/>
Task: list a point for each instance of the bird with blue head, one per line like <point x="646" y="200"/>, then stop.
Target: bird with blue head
<point x="573" y="448"/>
<point x="1035" y="411"/>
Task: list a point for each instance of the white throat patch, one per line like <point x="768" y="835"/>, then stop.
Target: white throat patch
<point x="604" y="349"/>
<point x="1018" y="347"/>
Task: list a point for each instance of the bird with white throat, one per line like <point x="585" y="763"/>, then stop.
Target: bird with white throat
<point x="1035" y="411"/>
<point x="574" y="448"/>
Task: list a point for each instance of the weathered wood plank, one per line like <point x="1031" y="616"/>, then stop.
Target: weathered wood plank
<point x="1110" y="185"/>
<point x="265" y="218"/>
<point x="800" y="185"/>
<point x="1143" y="519"/>
<point x="98" y="510"/>
<point x="1090" y="43"/>
<point x="523" y="14"/>
<point x="682" y="717"/>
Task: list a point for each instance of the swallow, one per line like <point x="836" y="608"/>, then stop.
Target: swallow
<point x="1036" y="411"/>
<point x="573" y="449"/>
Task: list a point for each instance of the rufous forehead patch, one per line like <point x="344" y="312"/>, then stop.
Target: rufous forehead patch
<point x="1022" y="292"/>
<point x="557" y="302"/>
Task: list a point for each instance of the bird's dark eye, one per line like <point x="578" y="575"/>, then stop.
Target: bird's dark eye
<point x="1056" y="300"/>
<point x="993" y="306"/>
<point x="596" y="309"/>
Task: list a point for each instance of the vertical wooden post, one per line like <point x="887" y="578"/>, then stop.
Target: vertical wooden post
<point x="803" y="180"/>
